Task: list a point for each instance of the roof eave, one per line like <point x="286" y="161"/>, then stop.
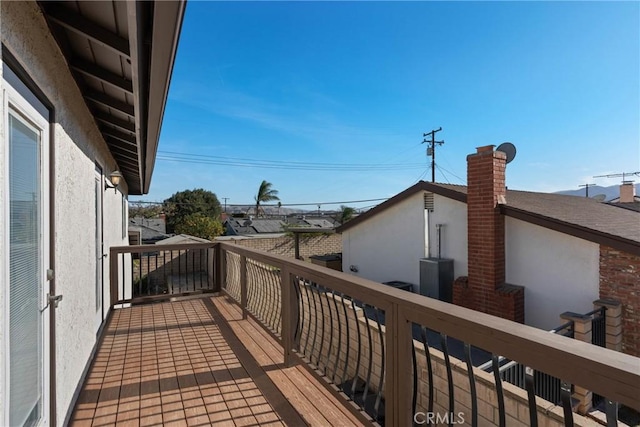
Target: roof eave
<point x="167" y="19"/>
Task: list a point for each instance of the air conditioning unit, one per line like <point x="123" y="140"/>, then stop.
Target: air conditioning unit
<point x="436" y="278"/>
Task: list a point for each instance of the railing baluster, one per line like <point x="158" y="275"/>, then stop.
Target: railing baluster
<point x="243" y="286"/>
<point x="472" y="385"/>
<point x="148" y="276"/>
<point x="376" y="406"/>
<point x="358" y="357"/>
<point x="565" y="397"/>
<point x="179" y="272"/>
<point x="300" y="320"/>
<point x="315" y="324"/>
<point x="427" y="355"/>
<point x="529" y="382"/>
<point x="370" y="364"/>
<point x="279" y="307"/>
<point x="164" y="267"/>
<point x="447" y="362"/>
<point x="155" y="269"/>
<point x="339" y="344"/>
<point x="345" y="371"/>
<point x="330" y="347"/>
<point x="611" y="409"/>
<point x="496" y="375"/>
<point x="305" y="286"/>
<point x="414" y="363"/>
<point x="124" y="295"/>
<point x="322" y="328"/>
<point x="269" y="274"/>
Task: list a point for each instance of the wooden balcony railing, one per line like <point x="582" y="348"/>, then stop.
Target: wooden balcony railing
<point x="398" y="358"/>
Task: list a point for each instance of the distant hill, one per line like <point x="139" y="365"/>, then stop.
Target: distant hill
<point x="610" y="192"/>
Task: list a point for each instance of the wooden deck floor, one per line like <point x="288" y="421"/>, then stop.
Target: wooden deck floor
<point x="196" y="363"/>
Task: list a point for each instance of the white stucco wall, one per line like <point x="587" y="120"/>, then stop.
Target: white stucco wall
<point x="78" y="145"/>
<point x="453" y="235"/>
<point x="389" y="245"/>
<point x="559" y="272"/>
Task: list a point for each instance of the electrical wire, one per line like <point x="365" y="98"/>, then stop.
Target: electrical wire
<point x="279" y="164"/>
<point x="443" y="174"/>
<point x="134" y="202"/>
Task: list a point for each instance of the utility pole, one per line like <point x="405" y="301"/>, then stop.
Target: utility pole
<point x="431" y="150"/>
<point x="225" y="203"/>
<point x="586" y="188"/>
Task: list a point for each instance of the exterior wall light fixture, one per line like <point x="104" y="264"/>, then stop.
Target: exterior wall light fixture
<point x="115" y="178"/>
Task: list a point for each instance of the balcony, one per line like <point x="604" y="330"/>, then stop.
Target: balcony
<point x="286" y="342"/>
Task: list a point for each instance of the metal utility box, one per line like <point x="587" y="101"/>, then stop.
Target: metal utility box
<point x="332" y="261"/>
<point x="400" y="285"/>
<point x="436" y="278"/>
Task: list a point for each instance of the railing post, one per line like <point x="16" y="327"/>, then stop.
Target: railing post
<point x="613" y="322"/>
<point x="217" y="267"/>
<point x="113" y="277"/>
<point x="243" y="285"/>
<point x="582" y="331"/>
<point x="398" y="373"/>
<point x="289" y="306"/>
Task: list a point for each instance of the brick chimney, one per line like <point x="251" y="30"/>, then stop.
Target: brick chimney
<point x="627" y="192"/>
<point x="485" y="190"/>
<point x="486" y="289"/>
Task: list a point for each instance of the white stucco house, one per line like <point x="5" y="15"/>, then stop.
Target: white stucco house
<point x="84" y="86"/>
<point x="565" y="251"/>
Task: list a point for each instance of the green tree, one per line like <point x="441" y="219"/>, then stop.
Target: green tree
<point x="200" y="225"/>
<point x="188" y="202"/>
<point x="144" y="210"/>
<point x="346" y="213"/>
<point x="265" y="194"/>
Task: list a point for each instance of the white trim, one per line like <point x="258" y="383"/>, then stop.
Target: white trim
<point x="24" y="111"/>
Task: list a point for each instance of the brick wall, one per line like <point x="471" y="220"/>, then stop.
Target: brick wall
<point x="312" y="245"/>
<point x="485" y="289"/>
<point x="620" y="280"/>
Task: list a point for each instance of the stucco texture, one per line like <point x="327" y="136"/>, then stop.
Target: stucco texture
<point x="559" y="272"/>
<point x="389" y="245"/>
<point x="78" y="147"/>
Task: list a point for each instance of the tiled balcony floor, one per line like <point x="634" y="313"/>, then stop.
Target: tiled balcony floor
<point x="196" y="362"/>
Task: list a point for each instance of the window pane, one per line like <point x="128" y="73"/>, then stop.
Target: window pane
<point x="25" y="339"/>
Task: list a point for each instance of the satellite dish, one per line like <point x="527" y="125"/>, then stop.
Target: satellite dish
<point x="509" y="149"/>
<point x="600" y="197"/>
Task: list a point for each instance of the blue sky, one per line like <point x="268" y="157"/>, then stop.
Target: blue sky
<point x="359" y="82"/>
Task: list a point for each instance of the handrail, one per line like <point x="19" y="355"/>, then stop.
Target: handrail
<point x="603" y="371"/>
<point x="606" y="372"/>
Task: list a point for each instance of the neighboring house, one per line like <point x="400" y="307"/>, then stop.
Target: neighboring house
<point x="628" y="198"/>
<point x="182" y="238"/>
<point x="84" y="85"/>
<point x="528" y="256"/>
<point x="252" y="226"/>
<point x="309" y="221"/>
<point x="143" y="231"/>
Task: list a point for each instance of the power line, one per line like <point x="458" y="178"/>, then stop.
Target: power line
<point x="442" y="172"/>
<point x="279" y="164"/>
<point x="283" y="204"/>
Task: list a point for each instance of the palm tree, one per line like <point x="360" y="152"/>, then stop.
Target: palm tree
<point x="279" y="206"/>
<point x="265" y="194"/>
